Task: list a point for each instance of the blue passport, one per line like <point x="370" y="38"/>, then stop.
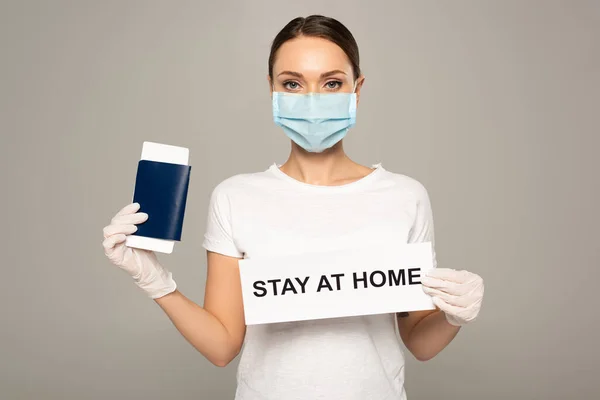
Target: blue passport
<point x="161" y="190"/>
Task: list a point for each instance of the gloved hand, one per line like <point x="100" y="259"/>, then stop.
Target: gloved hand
<point x="143" y="266"/>
<point x="457" y="293"/>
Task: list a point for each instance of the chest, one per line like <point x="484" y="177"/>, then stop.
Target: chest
<point x="272" y="226"/>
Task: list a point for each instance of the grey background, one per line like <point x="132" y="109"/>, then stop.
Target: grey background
<point x="493" y="105"/>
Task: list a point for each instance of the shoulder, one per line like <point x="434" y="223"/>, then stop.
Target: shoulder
<point x="407" y="184"/>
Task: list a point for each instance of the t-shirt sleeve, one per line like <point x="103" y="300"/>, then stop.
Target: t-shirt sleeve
<point x="422" y="228"/>
<point x="218" y="237"/>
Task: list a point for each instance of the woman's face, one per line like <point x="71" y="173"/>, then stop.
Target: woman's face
<point x="309" y="64"/>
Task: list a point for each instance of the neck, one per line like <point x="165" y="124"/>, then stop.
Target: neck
<point x="327" y="168"/>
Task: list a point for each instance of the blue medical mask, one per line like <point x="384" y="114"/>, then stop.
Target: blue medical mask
<point x="315" y="121"/>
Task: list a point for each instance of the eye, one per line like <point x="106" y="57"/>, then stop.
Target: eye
<point x="333" y="85"/>
<point x="291" y="85"/>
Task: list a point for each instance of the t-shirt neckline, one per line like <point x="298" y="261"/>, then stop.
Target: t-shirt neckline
<point x="377" y="169"/>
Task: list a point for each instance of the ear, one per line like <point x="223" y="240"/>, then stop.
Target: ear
<point x="270" y="85"/>
<point x="359" y="83"/>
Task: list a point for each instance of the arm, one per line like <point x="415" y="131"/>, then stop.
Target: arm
<point x="426" y="333"/>
<point x="216" y="330"/>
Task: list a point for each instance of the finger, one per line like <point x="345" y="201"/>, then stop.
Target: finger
<point x="129" y="219"/>
<point x="459" y="301"/>
<point x="456" y="289"/>
<point x="436" y="283"/>
<point x="128" y="209"/>
<point x="447" y="308"/>
<point x="119" y="229"/>
<point x="110" y="242"/>
<point x="451" y="275"/>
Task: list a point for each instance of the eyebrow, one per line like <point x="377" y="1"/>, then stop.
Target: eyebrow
<point x="323" y="75"/>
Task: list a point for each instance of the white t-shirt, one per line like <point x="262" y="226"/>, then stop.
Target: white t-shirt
<point x="270" y="214"/>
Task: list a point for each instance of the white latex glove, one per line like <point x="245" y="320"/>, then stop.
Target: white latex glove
<point x="143" y="266"/>
<point x="457" y="293"/>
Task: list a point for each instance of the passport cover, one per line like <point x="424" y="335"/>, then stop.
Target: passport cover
<point x="161" y="190"/>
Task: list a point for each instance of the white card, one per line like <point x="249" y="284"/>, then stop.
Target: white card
<point x="336" y="284"/>
<point x="160" y="153"/>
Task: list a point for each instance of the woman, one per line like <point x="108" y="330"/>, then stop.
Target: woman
<point x="318" y="200"/>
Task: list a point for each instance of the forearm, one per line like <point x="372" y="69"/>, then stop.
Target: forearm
<point x="430" y="336"/>
<point x="200" y="328"/>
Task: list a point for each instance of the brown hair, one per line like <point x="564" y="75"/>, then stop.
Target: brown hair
<point x="322" y="27"/>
